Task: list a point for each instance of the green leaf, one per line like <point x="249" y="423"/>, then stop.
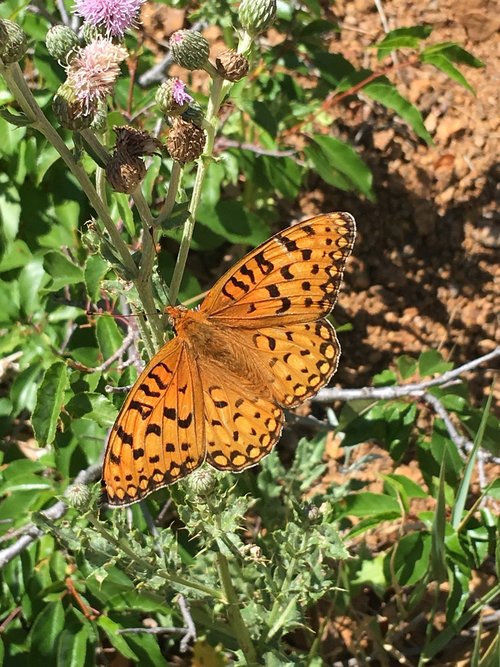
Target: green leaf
<point x="49" y="401"/>
<point x="443" y="55"/>
<point x="46" y="629"/>
<point x="410" y="560"/>
<point x="92" y="406"/>
<point x="125" y="211"/>
<point x="62" y="271"/>
<point x="18" y="119"/>
<point x="370" y="504"/>
<point x="383" y="91"/>
<point x="111" y="630"/>
<point x="402" y="37"/>
<point x="109" y="335"/>
<point x="431" y="362"/>
<point x="407" y="366"/>
<point x="338" y="164"/>
<point x="438" y="557"/>
<point x="72" y="648"/>
<point x="95" y="270"/>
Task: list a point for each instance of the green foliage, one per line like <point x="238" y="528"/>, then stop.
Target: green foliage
<point x="262" y="552"/>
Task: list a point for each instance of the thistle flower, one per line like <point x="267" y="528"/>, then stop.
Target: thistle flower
<point x="94" y="69"/>
<point x="172" y="97"/>
<point x="115" y="16"/>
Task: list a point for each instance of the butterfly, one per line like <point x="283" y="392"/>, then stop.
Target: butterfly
<point x="258" y="343"/>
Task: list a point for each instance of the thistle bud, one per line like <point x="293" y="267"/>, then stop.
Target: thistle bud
<point x="125" y="172"/>
<point x="61" y="41"/>
<point x="172" y="97"/>
<point x="256" y="15"/>
<point x="186" y="141"/>
<point x="13" y="42"/>
<point x="202" y="481"/>
<point x="189" y="49"/>
<point x="78" y="496"/>
<point x="231" y="65"/>
<point x="69" y="110"/>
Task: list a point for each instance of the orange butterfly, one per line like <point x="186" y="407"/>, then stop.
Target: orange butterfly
<point x="258" y="343"/>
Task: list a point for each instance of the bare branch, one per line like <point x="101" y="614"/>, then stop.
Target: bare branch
<point x="387" y="393"/>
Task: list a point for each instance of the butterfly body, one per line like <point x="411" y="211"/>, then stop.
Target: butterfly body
<point x="258" y="343"/>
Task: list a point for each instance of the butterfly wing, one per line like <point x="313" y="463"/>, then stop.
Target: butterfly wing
<point x="158" y="436"/>
<point x="294" y="277"/>
<point x="242" y="424"/>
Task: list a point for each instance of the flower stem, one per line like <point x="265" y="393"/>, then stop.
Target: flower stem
<point x="214" y="103"/>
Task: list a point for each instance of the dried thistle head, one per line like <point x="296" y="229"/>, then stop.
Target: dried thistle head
<point x="231" y="65"/>
<point x="186" y="141"/>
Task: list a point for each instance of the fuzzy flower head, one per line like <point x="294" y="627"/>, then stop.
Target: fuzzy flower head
<point x="115" y="16"/>
<point x="179" y="92"/>
<point x="94" y="70"/>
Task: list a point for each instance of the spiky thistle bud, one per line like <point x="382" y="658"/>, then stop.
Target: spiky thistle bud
<point x="231" y="65"/>
<point x="189" y="49"/>
<point x="256" y="15"/>
<point x="172" y="97"/>
<point x="202" y="481"/>
<point x="61" y="41"/>
<point x="100" y="120"/>
<point x="78" y="496"/>
<point x="13" y="41"/>
<point x="71" y="112"/>
<point x="90" y="32"/>
<point x="185" y="141"/>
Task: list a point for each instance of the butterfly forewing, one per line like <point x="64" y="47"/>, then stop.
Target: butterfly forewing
<point x="157" y="437"/>
<point x="291" y="278"/>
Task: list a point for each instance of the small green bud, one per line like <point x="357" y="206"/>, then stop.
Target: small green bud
<point x="69" y="110"/>
<point x="256" y="15"/>
<point x="78" y="496"/>
<point x="189" y="49"/>
<point x="202" y="481"/>
<point x="172" y="98"/>
<point x="13" y="42"/>
<point x="61" y="41"/>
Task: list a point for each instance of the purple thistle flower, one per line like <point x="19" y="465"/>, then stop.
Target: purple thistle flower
<point x="93" y="71"/>
<point x="115" y="16"/>
<point x="179" y="93"/>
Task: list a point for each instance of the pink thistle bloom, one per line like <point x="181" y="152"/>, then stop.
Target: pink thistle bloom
<point x="179" y="93"/>
<point x="115" y="16"/>
<point x="93" y="71"/>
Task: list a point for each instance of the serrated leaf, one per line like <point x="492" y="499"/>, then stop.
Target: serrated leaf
<point x="49" y="401"/>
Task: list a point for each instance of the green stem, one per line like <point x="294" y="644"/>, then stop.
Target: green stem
<point x="214" y="103"/>
<point x="173" y="187"/>
<point x="235" y="618"/>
